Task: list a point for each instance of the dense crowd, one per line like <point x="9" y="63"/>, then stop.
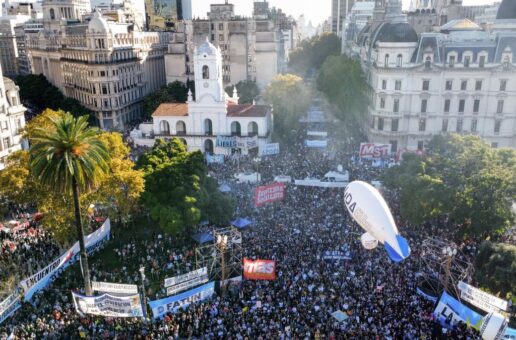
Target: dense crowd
<point x="378" y="296"/>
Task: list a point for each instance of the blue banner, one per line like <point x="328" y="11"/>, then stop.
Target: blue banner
<point x="218" y="159"/>
<point x="173" y="303"/>
<point x="449" y="307"/>
<point x="229" y="142"/>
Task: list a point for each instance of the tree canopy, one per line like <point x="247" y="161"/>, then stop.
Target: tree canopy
<point x="178" y="191"/>
<point x="176" y="92"/>
<point x="247" y="91"/>
<point x="460" y="178"/>
<point x="312" y="52"/>
<point x="343" y="82"/>
<point x="290" y="99"/>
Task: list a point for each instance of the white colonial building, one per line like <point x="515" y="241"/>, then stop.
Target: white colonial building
<point x="461" y="79"/>
<point x="12" y="119"/>
<point x="212" y="117"/>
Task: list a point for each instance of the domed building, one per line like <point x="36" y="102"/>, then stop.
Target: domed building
<point x="507" y="10"/>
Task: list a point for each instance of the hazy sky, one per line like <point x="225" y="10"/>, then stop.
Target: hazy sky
<point x="315" y="10"/>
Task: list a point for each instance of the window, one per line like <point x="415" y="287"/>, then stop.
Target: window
<point x="464" y="85"/>
<point x="382" y="103"/>
<point x="386" y="60"/>
<point x="205" y="72"/>
<point x="221" y="26"/>
<point x="478" y="85"/>
<point x="499" y="107"/>
<point x="459" y="125"/>
<point x="497" y="126"/>
<point x="399" y="60"/>
<point x="420" y="145"/>
<point x="52" y="14"/>
<point x="394" y="125"/>
<point x="482" y="61"/>
<point x="221" y="37"/>
<point x="426" y="85"/>
<point x="396" y="105"/>
<point x="462" y="104"/>
<point x="424" y="104"/>
<point x="213" y="37"/>
<point x="444" y="128"/>
<point x="451" y="61"/>
<point x="428" y="61"/>
<point x="380" y="124"/>
<point x="384" y="84"/>
<point x="449" y="84"/>
<point x="474" y="125"/>
<point x="104" y="89"/>
<point x="503" y="84"/>
<point x="467" y="60"/>
<point x="397" y="85"/>
<point x="394" y="146"/>
<point x="476" y="105"/>
<point x="422" y="124"/>
<point x="447" y="105"/>
<point x="7" y="143"/>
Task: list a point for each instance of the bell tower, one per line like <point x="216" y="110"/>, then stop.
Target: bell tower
<point x="208" y="73"/>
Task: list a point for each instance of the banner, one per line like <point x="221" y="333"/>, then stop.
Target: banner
<point x="374" y="150"/>
<point x="109" y="305"/>
<point x="117" y="288"/>
<point x="336" y="255"/>
<point x="228" y="142"/>
<point x="247" y="142"/>
<point x="173" y="303"/>
<point x="451" y="309"/>
<point x="186" y="281"/>
<point x="47" y="275"/>
<point x="480" y="299"/>
<point x="259" y="269"/>
<point x="214" y="159"/>
<point x="269" y="193"/>
<point x="316" y="143"/>
<point x="10" y="305"/>
<point x="319" y="183"/>
<point x="317" y="133"/>
<point x="426" y="296"/>
<point x="269" y="149"/>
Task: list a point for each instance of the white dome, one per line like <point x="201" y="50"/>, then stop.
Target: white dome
<point x="207" y="48"/>
<point x="98" y="24"/>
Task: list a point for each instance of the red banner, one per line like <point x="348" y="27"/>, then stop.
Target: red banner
<point x="259" y="269"/>
<point x="374" y="150"/>
<point x="269" y="193"/>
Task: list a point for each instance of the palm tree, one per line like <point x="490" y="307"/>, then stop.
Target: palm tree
<point x="66" y="157"/>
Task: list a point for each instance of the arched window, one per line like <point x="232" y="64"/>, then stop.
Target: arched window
<point x="183" y="141"/>
<point x="164" y="128"/>
<point x="399" y="60"/>
<point x="428" y="61"/>
<point x="252" y="129"/>
<point x="181" y="128"/>
<point x="208" y="146"/>
<point x="205" y="72"/>
<point x="235" y="129"/>
<point x="208" y="127"/>
<point x="387" y="60"/>
<point x="52" y="14"/>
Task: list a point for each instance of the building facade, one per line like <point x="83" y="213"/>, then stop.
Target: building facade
<point x="12" y="119"/>
<point x="339" y="12"/>
<point x="108" y="66"/>
<point x="461" y="79"/>
<point x="213" y="115"/>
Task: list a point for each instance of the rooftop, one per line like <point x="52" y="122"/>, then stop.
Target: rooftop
<point x="247" y="110"/>
<point x="171" y="109"/>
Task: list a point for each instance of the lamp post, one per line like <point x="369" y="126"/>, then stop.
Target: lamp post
<point x="222" y="242"/>
<point x="144" y="298"/>
<point x="449" y="253"/>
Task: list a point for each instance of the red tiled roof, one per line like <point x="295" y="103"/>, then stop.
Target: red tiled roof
<point x="248" y="110"/>
<point x="171" y="109"/>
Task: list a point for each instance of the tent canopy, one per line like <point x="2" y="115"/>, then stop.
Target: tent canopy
<point x="225" y="188"/>
<point x="241" y="223"/>
<point x="202" y="238"/>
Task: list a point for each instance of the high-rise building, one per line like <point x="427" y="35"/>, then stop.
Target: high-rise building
<point x="107" y="65"/>
<point x="12" y="119"/>
<point x="339" y="11"/>
<point x="166" y="14"/>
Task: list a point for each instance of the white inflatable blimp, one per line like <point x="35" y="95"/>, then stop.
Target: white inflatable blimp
<point x="370" y="211"/>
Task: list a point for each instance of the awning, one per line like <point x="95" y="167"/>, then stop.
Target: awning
<point x="241" y="223"/>
<point x="202" y="238"/>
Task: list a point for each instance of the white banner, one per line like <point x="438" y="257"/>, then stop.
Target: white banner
<point x="317" y="133"/>
<point x="109" y="305"/>
<point x="9" y="306"/>
<point x="269" y="149"/>
<point x="247" y="142"/>
<point x="173" y="303"/>
<point x="481" y="299"/>
<point x="187" y="284"/>
<point x="186" y="277"/>
<point x="119" y="288"/>
<point x="48" y="274"/>
<point x="316" y="143"/>
<point x="319" y="183"/>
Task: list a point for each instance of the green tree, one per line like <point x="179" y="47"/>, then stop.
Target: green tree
<point x="312" y="52"/>
<point x="70" y="157"/>
<point x="247" y="91"/>
<point x="461" y="178"/>
<point x="176" y="92"/>
<point x="343" y="82"/>
<point x="178" y="192"/>
<point x="290" y="99"/>
<point x="495" y="268"/>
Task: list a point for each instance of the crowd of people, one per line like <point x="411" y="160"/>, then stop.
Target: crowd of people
<point x="378" y="297"/>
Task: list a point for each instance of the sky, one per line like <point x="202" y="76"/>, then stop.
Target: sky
<point x="315" y="10"/>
